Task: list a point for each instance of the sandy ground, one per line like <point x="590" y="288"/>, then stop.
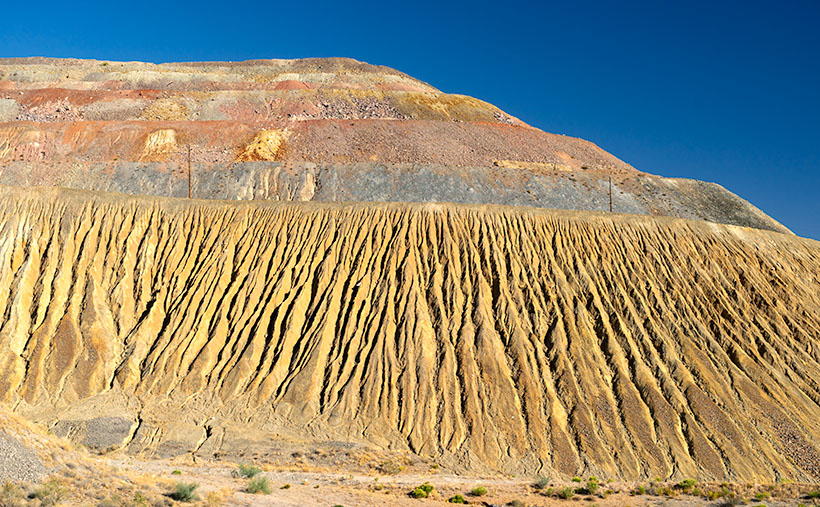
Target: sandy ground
<point x="335" y="488"/>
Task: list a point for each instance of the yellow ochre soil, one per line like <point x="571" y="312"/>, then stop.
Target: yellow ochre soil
<point x="484" y="339"/>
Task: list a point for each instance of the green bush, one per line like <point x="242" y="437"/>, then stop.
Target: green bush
<point x="566" y="493"/>
<point x="577" y="479"/>
<point x="592" y="487"/>
<point x="815" y="495"/>
<point x="285" y="486"/>
<point x="687" y="484"/>
<point x="541" y="483"/>
<point x="640" y="491"/>
<point x="422" y="491"/>
<point x="761" y="496"/>
<point x="714" y="495"/>
<point x="664" y="491"/>
<point x="479" y="491"/>
<point x="176" y="472"/>
<point x="457" y="499"/>
<point x="247" y="471"/>
<point x="185" y="491"/>
<point x="418" y="493"/>
<point x="259" y="484"/>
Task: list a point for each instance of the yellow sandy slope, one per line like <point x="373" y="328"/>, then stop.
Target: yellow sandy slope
<point x="503" y="338"/>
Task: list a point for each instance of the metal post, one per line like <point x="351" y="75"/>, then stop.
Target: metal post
<point x="610" y="194"/>
<point x="189" y="172"/>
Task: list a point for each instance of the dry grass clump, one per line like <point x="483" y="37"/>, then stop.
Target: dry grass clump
<point x="50" y="492"/>
<point x="390" y="467"/>
<point x="259" y="485"/>
<point x="246" y="471"/>
<point x="185" y="492"/>
<point x="11" y="495"/>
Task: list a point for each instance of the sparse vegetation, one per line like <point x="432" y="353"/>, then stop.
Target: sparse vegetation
<point x="176" y="472"/>
<point x="139" y="499"/>
<point x="185" y="492"/>
<point x="11" y="495"/>
<point x="721" y="493"/>
<point x="664" y="491"/>
<point x="567" y="493"/>
<point x="457" y="499"/>
<point x="732" y="501"/>
<point x="761" y="496"/>
<point x="515" y="503"/>
<point x="285" y="486"/>
<point x="422" y="491"/>
<point x="50" y="493"/>
<point x="815" y="495"/>
<point x="259" y="484"/>
<point x="577" y="479"/>
<point x="390" y="468"/>
<point x="541" y="483"/>
<point x="592" y="486"/>
<point x="247" y="471"/>
<point x="478" y="491"/>
<point x="418" y="493"/>
<point x="213" y="499"/>
<point x="687" y="484"/>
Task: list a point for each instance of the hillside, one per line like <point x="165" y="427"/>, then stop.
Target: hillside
<point x="312" y="129"/>
<point x="484" y="337"/>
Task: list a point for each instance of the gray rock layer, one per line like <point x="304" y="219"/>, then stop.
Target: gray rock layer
<point x="373" y="182"/>
<point x="18" y="462"/>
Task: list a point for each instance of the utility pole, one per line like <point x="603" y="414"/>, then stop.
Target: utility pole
<point x="189" y="175"/>
<point x="610" y="194"/>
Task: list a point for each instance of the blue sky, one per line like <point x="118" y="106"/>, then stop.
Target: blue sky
<point x="719" y="91"/>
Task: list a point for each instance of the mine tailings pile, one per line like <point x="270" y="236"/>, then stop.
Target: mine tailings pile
<point x="367" y="259"/>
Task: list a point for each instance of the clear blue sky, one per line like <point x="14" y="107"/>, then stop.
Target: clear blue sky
<point x="721" y="91"/>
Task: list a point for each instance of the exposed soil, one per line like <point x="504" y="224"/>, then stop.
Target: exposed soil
<point x="561" y="343"/>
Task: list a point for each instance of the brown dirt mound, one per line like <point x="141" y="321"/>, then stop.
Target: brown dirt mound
<point x="333" y="141"/>
<point x="485" y="337"/>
